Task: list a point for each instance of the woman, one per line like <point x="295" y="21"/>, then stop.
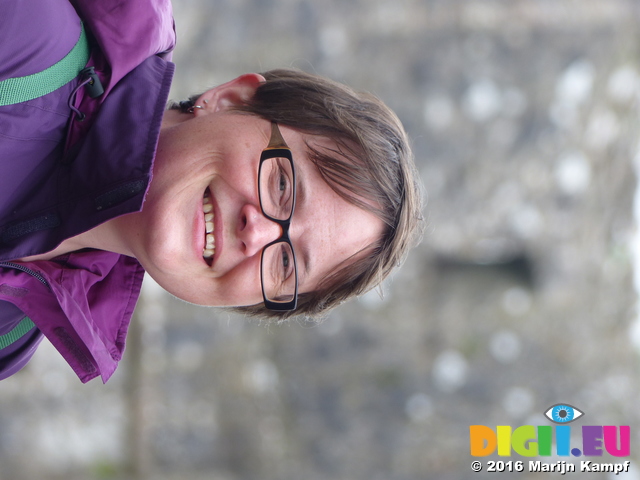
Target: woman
<point x="269" y="192"/>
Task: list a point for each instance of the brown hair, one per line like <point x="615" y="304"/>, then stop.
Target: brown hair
<point x="372" y="167"/>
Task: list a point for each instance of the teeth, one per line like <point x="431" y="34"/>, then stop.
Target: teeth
<point x="210" y="241"/>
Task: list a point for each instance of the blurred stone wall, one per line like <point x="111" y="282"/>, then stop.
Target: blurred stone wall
<point x="524" y="119"/>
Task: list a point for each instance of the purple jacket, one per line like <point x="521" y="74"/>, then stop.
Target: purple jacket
<point x="60" y="177"/>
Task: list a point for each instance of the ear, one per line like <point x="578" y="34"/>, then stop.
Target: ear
<point x="236" y="92"/>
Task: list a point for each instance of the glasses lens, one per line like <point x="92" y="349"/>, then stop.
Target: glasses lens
<point x="276" y="187"/>
<point x="279" y="273"/>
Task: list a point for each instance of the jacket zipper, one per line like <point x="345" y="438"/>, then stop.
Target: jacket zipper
<point x="27" y="270"/>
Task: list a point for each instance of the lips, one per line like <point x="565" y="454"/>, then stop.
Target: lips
<point x="209" y="240"/>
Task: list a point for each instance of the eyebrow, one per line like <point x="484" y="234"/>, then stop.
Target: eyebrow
<point x="306" y="264"/>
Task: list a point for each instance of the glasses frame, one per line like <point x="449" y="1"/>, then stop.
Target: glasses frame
<point x="278" y="148"/>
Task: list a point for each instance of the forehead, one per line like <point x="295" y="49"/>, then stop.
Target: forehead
<point x="326" y="230"/>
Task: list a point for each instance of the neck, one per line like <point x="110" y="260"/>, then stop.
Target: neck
<point x="102" y="237"/>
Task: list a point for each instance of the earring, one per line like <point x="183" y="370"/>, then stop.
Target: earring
<point x="193" y="109"/>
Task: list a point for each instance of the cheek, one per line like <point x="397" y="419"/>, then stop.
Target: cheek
<point x="171" y="146"/>
<point x="238" y="287"/>
<point x="241" y="285"/>
<point x="238" y="169"/>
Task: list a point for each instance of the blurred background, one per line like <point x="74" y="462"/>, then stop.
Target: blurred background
<point x="524" y="116"/>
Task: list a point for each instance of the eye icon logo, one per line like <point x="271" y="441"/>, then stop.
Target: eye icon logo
<point x="563" y="413"/>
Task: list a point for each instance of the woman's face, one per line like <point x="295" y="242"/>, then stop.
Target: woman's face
<point x="218" y="150"/>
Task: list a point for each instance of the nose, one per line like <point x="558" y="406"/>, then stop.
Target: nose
<point x="256" y="230"/>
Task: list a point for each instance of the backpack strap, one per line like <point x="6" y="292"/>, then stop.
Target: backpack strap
<point x="19" y="331"/>
<point x="21" y="89"/>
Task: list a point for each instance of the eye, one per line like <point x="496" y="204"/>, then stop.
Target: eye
<point x="281" y="184"/>
<point x="284" y="181"/>
<point x="563" y="413"/>
<point x="287" y="263"/>
<point x="276" y="187"/>
<point x="282" y="266"/>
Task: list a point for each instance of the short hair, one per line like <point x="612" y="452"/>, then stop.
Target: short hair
<point x="372" y="167"/>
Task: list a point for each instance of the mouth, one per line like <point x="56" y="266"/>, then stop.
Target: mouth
<point x="209" y="239"/>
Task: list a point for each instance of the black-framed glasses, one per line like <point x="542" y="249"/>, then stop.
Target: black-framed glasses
<point x="277" y="193"/>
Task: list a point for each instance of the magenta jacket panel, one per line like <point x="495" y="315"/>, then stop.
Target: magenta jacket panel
<point x="60" y="176"/>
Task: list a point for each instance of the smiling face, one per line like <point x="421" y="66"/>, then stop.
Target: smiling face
<point x="216" y="151"/>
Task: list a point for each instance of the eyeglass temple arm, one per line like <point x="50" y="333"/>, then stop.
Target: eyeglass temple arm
<point x="276" y="140"/>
